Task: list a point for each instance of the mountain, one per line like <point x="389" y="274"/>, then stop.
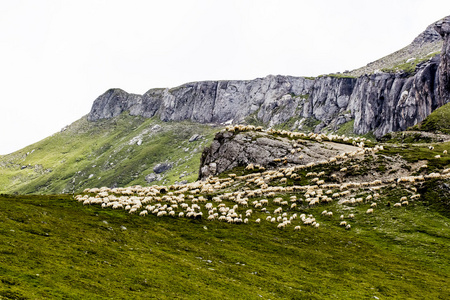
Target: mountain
<point x="158" y="137"/>
<point x="405" y="88"/>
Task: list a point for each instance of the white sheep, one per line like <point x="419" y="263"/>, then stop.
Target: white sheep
<point x="281" y="226"/>
<point x="369" y="211"/>
<point x="297" y="228"/>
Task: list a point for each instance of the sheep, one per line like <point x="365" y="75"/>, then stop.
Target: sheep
<point x="258" y="221"/>
<point x="341" y="217"/>
<point x="281" y="226"/>
<point x="444" y="152"/>
<point x="369" y="211"/>
<point x="405" y="203"/>
<point x="297" y="228"/>
<point x="143" y="213"/>
<point x="373" y="205"/>
<point x="431" y="147"/>
<point x="397" y="204"/>
<point x="343" y="223"/>
<point x="348" y="226"/>
<point x="351" y="216"/>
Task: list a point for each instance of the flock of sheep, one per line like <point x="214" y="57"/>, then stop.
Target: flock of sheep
<point x="267" y="195"/>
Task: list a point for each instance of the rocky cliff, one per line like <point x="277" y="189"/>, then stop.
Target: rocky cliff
<point x="381" y="102"/>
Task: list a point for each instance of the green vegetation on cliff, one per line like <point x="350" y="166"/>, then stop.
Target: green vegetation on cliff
<point x="438" y="121"/>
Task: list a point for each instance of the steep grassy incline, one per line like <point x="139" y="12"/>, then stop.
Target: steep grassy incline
<point x="52" y="247"/>
<point x="438" y="121"/>
<point x="116" y="152"/>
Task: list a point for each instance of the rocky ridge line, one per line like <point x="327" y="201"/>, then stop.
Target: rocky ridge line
<point x="378" y="103"/>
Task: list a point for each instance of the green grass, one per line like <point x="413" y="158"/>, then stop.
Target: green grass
<point x="409" y="67"/>
<point x="412" y="153"/>
<point x="438" y="121"/>
<point x="405" y="137"/>
<point x="105" y="153"/>
<point x="347" y="130"/>
<point x="53" y="247"/>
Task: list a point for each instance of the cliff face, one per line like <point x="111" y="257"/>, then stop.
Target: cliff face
<point x="380" y="103"/>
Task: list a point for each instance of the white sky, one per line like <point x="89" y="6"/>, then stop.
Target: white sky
<point x="57" y="56"/>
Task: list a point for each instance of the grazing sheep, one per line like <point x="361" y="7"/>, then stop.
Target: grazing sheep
<point x="397" y="204"/>
<point x="348" y="226"/>
<point x="405" y="203"/>
<point x="351" y="216"/>
<point x="373" y="205"/>
<point x="369" y="211"/>
<point x="297" y="228"/>
<point x="343" y="223"/>
<point x="341" y="217"/>
<point x="281" y="226"/>
<point x="444" y="152"/>
<point x="258" y="221"/>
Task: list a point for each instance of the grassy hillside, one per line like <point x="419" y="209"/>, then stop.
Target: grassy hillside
<point x="60" y="247"/>
<point x="53" y="247"/>
<point x="438" y="121"/>
<point x="115" y="152"/>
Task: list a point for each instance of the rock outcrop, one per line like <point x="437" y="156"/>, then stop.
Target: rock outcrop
<point x="229" y="150"/>
<point x="378" y="103"/>
<point x="443" y="28"/>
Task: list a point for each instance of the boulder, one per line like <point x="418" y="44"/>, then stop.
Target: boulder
<point x="162" y="167"/>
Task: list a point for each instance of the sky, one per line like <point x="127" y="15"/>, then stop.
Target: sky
<point x="58" y="56"/>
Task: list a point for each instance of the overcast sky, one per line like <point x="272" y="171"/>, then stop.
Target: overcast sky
<point x="56" y="57"/>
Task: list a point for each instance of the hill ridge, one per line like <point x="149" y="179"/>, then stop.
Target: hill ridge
<point x="385" y="101"/>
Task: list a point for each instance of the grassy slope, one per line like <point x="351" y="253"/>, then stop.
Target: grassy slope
<point x="437" y="121"/>
<point x="54" y="247"/>
<point x="108" y="150"/>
